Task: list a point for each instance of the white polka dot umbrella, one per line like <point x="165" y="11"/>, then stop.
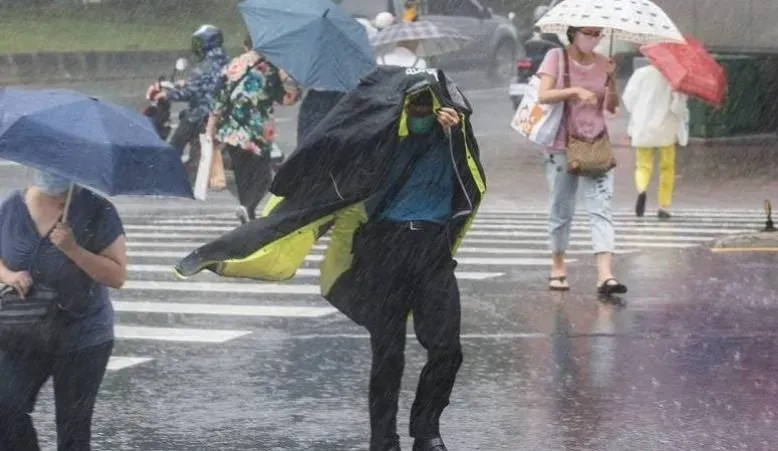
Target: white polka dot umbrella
<point x="638" y="21"/>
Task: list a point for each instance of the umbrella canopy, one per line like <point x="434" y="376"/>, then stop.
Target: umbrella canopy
<point x="640" y="22"/>
<point x="315" y="41"/>
<point x="102" y="146"/>
<point x="433" y="39"/>
<point x="690" y="69"/>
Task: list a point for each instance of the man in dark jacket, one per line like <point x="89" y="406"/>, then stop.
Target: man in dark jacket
<point x="393" y="172"/>
<point x="403" y="264"/>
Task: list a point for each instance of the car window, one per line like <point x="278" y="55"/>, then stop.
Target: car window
<point x="467" y="8"/>
<point x="365" y="8"/>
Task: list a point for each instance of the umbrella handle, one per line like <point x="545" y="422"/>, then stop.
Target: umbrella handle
<point x="610" y="53"/>
<point x="67" y="204"/>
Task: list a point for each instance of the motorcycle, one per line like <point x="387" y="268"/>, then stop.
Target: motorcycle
<point x="159" y="108"/>
<point x="159" y="111"/>
<point x="536" y="49"/>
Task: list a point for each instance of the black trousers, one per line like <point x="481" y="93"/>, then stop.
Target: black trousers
<point x="252" y="177"/>
<point x="184" y="133"/>
<point x="402" y="268"/>
<point x="77" y="377"/>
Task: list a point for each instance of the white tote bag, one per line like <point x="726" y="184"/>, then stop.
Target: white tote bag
<point x="535" y="121"/>
<point x="204" y="168"/>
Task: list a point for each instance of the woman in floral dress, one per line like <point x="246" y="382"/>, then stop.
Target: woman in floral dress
<point x="243" y="121"/>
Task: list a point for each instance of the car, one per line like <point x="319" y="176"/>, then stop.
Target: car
<point x="495" y="42"/>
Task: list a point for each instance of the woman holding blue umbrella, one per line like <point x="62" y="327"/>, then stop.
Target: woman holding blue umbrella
<point x="79" y="259"/>
<point x="62" y="246"/>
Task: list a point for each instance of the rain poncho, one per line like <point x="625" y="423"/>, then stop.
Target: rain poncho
<point x="336" y="177"/>
<point x="658" y="115"/>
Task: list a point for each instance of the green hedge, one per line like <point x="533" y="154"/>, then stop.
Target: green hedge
<point x="114" y="25"/>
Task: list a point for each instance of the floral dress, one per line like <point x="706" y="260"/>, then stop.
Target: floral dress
<point x="249" y="89"/>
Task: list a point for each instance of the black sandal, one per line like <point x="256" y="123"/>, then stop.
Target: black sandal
<point x="607" y="288"/>
<point x="563" y="286"/>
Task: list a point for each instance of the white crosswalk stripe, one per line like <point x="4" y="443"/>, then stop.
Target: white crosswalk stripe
<point x="499" y="241"/>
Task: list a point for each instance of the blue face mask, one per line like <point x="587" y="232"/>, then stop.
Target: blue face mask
<point x="51" y="184"/>
<point x="421" y="125"/>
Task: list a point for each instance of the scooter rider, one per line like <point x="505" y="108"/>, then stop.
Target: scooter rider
<point x="197" y="91"/>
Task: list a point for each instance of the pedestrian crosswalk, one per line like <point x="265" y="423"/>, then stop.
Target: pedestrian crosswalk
<point x="500" y="241"/>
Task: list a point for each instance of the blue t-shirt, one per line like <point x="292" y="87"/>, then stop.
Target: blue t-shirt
<point x="428" y="192"/>
<point x="93" y="321"/>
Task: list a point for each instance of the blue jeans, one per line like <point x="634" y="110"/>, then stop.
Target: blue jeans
<point x="77" y="377"/>
<point x="598" y="196"/>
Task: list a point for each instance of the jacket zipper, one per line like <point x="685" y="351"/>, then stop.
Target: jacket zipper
<point x="459" y="177"/>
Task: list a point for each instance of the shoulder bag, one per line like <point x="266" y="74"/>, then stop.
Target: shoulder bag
<point x="585" y="157"/>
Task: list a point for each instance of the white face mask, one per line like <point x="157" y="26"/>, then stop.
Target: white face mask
<point x="586" y="43"/>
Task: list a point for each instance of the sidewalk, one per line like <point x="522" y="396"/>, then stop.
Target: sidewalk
<point x="733" y="173"/>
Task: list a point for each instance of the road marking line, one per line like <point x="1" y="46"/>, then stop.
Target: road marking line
<point x="528" y="213"/>
<point x="714" y="225"/>
<point x="188" y="247"/>
<point x="319" y="258"/>
<point x="313" y="272"/>
<point x="695" y="230"/>
<point x="475" y="232"/>
<point x="583" y="243"/>
<point x="577" y="236"/>
<point x="222" y="287"/>
<point x="581" y="235"/>
<point x="498" y="336"/>
<point x="268" y="311"/>
<point x="684" y="211"/>
<point x="518" y="225"/>
<point x="669" y="242"/>
<point x="169" y="235"/>
<point x="116" y="363"/>
<point x="177" y="334"/>
<point x="178" y="228"/>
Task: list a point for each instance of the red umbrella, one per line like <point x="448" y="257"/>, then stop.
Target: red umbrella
<point x="690" y="69"/>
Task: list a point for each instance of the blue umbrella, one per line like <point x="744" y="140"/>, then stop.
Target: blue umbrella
<point x="315" y="41"/>
<point x="102" y="146"/>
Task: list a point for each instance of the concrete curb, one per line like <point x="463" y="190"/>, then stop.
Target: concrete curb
<point x="756" y="241"/>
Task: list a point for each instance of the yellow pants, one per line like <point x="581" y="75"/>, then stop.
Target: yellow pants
<point x="644" y="166"/>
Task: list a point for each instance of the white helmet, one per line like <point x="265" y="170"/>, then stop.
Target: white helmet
<point x="383" y="20"/>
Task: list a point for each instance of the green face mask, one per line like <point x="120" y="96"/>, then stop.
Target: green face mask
<point x="421" y="125"/>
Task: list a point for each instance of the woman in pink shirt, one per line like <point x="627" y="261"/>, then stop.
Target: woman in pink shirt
<point x="592" y="90"/>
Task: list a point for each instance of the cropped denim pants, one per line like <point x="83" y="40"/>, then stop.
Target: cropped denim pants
<point x="598" y="197"/>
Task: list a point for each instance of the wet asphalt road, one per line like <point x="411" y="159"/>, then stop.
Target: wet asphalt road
<point x="688" y="364"/>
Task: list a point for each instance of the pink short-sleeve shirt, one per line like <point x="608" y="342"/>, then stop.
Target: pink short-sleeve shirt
<point x="587" y="120"/>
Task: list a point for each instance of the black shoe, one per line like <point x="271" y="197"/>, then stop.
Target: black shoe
<point x="663" y="214"/>
<point x="640" y="205"/>
<point x="430" y="444"/>
<point x="388" y="445"/>
<point x="242" y="214"/>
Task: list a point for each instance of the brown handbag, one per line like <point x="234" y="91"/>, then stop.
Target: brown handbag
<point x="586" y="157"/>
